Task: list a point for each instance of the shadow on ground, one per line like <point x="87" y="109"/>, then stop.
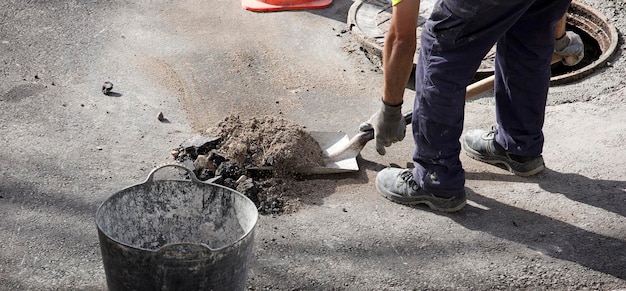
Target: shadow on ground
<point x="554" y="238"/>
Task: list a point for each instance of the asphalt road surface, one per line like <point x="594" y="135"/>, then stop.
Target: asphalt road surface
<point x="65" y="147"/>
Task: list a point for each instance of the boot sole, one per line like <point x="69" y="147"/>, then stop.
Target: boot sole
<point x="502" y="163"/>
<point x="417" y="200"/>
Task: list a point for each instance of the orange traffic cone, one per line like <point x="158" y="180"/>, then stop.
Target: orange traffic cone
<point x="281" y="5"/>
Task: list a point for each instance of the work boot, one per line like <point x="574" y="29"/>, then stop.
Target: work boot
<point x="481" y="145"/>
<point x="398" y="186"/>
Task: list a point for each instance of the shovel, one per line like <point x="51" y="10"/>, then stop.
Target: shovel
<point x="340" y="152"/>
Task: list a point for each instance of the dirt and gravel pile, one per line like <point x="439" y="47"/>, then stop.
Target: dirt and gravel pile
<point x="259" y="157"/>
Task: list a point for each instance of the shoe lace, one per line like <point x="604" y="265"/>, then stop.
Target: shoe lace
<point x="407" y="177"/>
<point x="499" y="149"/>
<point x="492" y="131"/>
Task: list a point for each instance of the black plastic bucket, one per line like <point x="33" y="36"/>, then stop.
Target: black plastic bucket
<point x="176" y="235"/>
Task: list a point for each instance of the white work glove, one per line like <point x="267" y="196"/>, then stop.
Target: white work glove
<point x="571" y="47"/>
<point x="388" y="125"/>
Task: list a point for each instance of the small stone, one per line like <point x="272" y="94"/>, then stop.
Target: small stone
<point x="175" y="153"/>
<point x="160" y="117"/>
<point x="202" y="162"/>
<point x="229" y="169"/>
<point x="99" y="148"/>
<point x="241" y="179"/>
<point x="216" y="158"/>
<point x="200" y="144"/>
<point x="107" y="87"/>
<point x="248" y="188"/>
<point x="206" y="174"/>
<point x="269" y="161"/>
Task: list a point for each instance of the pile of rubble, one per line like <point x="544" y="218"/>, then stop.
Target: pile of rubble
<point x="259" y="158"/>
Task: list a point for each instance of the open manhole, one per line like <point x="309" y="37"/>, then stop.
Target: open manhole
<point x="369" y="22"/>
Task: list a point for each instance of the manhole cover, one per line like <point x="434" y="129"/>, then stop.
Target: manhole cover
<point x="369" y="21"/>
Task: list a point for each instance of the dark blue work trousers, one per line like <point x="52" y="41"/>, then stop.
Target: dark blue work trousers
<point x="454" y="40"/>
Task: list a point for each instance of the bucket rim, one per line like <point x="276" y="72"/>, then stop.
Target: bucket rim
<point x="194" y="180"/>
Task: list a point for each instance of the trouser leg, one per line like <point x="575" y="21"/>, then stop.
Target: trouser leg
<point x="453" y="43"/>
<point x="522" y="74"/>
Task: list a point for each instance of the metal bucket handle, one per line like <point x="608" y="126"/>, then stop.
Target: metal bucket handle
<point x="170" y="250"/>
<point x="192" y="176"/>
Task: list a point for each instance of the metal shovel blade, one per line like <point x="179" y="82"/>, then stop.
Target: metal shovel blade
<point x="340" y="152"/>
<point x="332" y="143"/>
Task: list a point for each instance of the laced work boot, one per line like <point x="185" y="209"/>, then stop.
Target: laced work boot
<point x="481" y="145"/>
<point x="398" y="186"/>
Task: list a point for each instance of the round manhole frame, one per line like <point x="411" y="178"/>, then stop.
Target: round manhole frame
<point x="581" y="16"/>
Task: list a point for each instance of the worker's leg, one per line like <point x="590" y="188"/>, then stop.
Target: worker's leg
<point x="454" y="41"/>
<point x="522" y="77"/>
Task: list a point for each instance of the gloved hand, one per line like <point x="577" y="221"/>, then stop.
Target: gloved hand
<point x="571" y="47"/>
<point x="388" y="125"/>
